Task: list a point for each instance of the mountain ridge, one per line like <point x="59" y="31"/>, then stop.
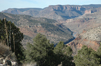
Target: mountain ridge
<point x="57" y="12"/>
<point x="83" y="22"/>
<point x="87" y="29"/>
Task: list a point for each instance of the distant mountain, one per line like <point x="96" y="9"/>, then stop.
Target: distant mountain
<point x="25" y="11"/>
<point x="87" y="29"/>
<point x="85" y="22"/>
<point x="30" y="26"/>
<point x="57" y="12"/>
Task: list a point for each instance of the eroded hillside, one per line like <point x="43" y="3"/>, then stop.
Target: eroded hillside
<point x="30" y="26"/>
<point x="91" y="38"/>
<point x="84" y="22"/>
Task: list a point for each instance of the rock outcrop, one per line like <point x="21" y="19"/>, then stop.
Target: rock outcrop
<point x="57" y="12"/>
<point x="77" y="44"/>
<point x="84" y="22"/>
<point x="88" y="12"/>
<point x="93" y="34"/>
<point x="7" y="58"/>
<point x="91" y="38"/>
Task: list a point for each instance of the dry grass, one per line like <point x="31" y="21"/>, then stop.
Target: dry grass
<point x="30" y="64"/>
<point x="4" y="50"/>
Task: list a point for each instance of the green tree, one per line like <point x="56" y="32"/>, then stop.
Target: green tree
<point x="99" y="53"/>
<point x="58" y="50"/>
<point x="67" y="57"/>
<point x="64" y="54"/>
<point x="86" y="57"/>
<point x="41" y="51"/>
<point x="11" y="36"/>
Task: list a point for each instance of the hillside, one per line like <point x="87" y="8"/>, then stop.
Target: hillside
<point x="30" y="26"/>
<point x="87" y="30"/>
<point x="88" y="27"/>
<point x="90" y="38"/>
<point x="84" y="22"/>
<point x="57" y="12"/>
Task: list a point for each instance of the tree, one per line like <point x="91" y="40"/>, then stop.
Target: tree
<point x="86" y="57"/>
<point x="99" y="53"/>
<point x="67" y="58"/>
<point x="44" y="53"/>
<point x="58" y="50"/>
<point x="64" y="54"/>
<point x="41" y="51"/>
<point x="11" y="36"/>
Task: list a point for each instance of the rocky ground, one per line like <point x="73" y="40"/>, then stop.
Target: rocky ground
<point x="7" y="58"/>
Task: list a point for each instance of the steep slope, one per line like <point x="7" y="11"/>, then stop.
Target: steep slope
<point x="57" y="12"/>
<point x="90" y="38"/>
<point x="30" y="26"/>
<point x="84" y="22"/>
<point x="87" y="30"/>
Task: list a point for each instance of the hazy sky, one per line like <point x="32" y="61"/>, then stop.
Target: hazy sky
<point x="5" y="4"/>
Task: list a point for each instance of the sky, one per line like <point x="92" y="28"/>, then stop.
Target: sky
<point x="5" y="4"/>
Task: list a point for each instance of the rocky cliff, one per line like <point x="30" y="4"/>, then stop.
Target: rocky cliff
<point x="84" y="22"/>
<point x="91" y="38"/>
<point x="57" y="12"/>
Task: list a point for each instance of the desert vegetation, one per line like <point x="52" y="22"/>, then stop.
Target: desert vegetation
<point x="40" y="41"/>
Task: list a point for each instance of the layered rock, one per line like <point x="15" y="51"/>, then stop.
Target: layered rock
<point x="77" y="44"/>
<point x="57" y="12"/>
<point x="91" y="38"/>
<point x="88" y="12"/>
<point x="84" y="22"/>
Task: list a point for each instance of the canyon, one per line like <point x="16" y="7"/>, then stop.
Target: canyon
<point x="60" y="23"/>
